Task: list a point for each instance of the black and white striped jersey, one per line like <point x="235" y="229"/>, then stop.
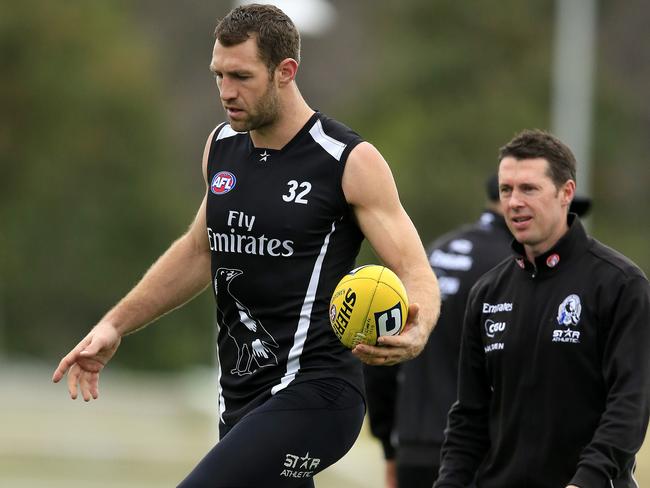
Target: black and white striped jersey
<point x="281" y="236"/>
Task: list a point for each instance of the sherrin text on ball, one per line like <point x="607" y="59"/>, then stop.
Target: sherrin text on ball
<point x="368" y="302"/>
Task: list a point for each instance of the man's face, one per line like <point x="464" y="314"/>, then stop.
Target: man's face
<point x="248" y="95"/>
<point x="534" y="209"/>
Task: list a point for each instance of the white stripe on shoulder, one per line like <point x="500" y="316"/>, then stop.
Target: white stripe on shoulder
<point x="331" y="145"/>
<point x="226" y="131"/>
<point x="293" y="360"/>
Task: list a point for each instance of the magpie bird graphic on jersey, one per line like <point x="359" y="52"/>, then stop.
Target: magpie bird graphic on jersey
<point x="251" y="338"/>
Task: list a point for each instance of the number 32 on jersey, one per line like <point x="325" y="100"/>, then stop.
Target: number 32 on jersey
<point x="297" y="192"/>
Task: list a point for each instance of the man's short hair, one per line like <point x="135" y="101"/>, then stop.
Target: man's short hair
<point x="531" y="144"/>
<point x="277" y="36"/>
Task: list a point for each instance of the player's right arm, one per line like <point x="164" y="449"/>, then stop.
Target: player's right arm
<point x="371" y="192"/>
<point x="176" y="277"/>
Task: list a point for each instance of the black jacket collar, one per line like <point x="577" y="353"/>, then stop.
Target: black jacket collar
<point x="570" y="245"/>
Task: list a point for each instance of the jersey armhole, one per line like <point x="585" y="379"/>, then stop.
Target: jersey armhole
<point x="213" y="145"/>
<point x="345" y="206"/>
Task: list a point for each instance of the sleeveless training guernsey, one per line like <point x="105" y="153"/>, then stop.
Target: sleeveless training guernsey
<point x="281" y="236"/>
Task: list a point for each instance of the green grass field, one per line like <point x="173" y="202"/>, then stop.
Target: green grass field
<point x="146" y="431"/>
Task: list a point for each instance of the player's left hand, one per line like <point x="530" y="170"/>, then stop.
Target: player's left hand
<point x="396" y="349"/>
<point x="85" y="362"/>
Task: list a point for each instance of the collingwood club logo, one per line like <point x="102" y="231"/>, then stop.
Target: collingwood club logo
<point x="569" y="311"/>
<point x="568" y="317"/>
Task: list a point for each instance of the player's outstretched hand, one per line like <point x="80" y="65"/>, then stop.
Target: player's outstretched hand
<point x="87" y="359"/>
<point x="396" y="349"/>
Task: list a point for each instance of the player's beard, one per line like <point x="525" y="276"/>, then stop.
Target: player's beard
<point x="263" y="114"/>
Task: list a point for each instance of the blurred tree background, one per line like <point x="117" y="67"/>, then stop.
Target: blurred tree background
<point x="106" y="106"/>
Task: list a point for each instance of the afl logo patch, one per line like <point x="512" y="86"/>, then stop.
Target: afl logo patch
<point x="222" y="182"/>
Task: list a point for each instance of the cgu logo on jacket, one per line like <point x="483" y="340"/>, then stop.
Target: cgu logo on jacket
<point x="493" y="330"/>
<point x="568" y="316"/>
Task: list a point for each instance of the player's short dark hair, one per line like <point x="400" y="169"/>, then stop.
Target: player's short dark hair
<point x="277" y="36"/>
<point x="531" y="144"/>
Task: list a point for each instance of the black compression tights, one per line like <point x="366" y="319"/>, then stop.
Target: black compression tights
<point x="284" y="442"/>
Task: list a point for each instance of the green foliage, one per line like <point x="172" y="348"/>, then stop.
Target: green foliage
<point x="456" y="80"/>
<point x="89" y="190"/>
<point x="447" y="98"/>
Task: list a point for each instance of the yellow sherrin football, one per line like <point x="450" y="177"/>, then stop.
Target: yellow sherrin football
<point x="369" y="302"/>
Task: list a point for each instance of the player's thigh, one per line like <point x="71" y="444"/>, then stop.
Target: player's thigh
<point x="284" y="442"/>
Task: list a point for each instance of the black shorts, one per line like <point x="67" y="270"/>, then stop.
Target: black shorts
<point x="297" y="433"/>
